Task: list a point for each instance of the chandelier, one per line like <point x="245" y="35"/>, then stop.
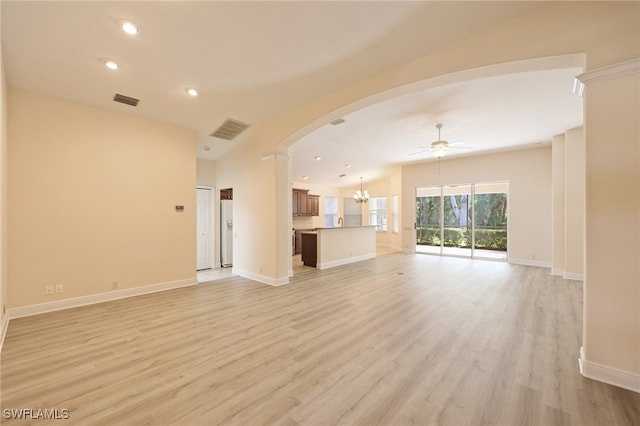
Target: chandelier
<point x="361" y="196"/>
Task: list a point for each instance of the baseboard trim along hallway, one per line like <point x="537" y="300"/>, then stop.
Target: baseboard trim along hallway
<point x="91" y="299"/>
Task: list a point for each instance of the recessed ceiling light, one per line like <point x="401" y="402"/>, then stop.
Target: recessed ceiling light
<point x="317" y="158"/>
<point x="191" y="91"/>
<point x="348" y="166"/>
<point x="111" y="64"/>
<point x="129" y="27"/>
<point x="305" y="177"/>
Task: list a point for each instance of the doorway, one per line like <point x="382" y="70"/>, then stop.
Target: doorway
<point x="468" y="220"/>
<point x="204" y="228"/>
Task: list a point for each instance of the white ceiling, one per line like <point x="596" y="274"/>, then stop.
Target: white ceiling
<point x="481" y="115"/>
<point x="253" y="61"/>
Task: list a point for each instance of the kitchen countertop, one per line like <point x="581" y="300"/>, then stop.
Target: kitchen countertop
<point x="346" y="227"/>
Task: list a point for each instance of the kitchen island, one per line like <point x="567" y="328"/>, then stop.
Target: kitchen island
<point x="325" y="248"/>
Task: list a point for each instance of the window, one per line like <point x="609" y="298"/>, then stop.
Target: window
<point x="330" y="212"/>
<point x="352" y="212"/>
<point x="378" y="213"/>
<point x="395" y="214"/>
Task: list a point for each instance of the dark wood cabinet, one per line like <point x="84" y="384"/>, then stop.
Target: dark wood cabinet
<point x="295" y="198"/>
<point x="304" y="204"/>
<point x="309" y="249"/>
<point x="314" y="205"/>
<point x="297" y="245"/>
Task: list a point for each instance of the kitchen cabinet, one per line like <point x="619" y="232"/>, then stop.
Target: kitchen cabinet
<point x="314" y="205"/>
<point x="310" y="249"/>
<point x="304" y="204"/>
<point x="295" y="199"/>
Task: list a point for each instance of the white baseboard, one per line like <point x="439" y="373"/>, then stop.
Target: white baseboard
<point x="5" y="325"/>
<point x="276" y="282"/>
<point x="557" y="272"/>
<point x="531" y="262"/>
<point x="74" y="302"/>
<point x="407" y="251"/>
<point x="612" y="376"/>
<point x="573" y="276"/>
<point x="340" y="262"/>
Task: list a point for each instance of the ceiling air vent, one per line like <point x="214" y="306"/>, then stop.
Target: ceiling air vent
<point x="337" y="121"/>
<point x="230" y="129"/>
<point x="126" y="99"/>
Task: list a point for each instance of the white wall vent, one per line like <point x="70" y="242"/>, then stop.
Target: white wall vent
<point x="126" y="100"/>
<point x="230" y="129"/>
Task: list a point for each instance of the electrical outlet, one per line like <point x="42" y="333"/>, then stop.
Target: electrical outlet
<point x="114" y="284"/>
<point x="49" y="290"/>
<point x="59" y="289"/>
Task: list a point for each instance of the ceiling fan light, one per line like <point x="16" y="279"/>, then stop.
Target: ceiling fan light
<point x="439" y="149"/>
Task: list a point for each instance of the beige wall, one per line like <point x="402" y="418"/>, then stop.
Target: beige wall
<point x="574" y="204"/>
<point x="528" y="173"/>
<point x="4" y="276"/>
<point x="612" y="278"/>
<point x="206" y="173"/>
<point x="558" y="204"/>
<point x="92" y="198"/>
<point x="339" y="246"/>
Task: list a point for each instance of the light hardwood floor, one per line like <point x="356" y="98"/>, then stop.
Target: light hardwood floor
<point x="395" y="340"/>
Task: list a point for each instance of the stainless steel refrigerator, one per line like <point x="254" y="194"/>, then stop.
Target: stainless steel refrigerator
<point x="226" y="232"/>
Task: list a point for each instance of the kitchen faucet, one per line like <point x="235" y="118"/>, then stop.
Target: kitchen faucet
<point x="340" y="222"/>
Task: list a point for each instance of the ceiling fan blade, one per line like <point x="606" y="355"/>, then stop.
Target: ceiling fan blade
<point x="456" y="144"/>
<point x="419" y="152"/>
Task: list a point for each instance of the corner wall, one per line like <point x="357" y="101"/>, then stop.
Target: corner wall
<point x="4" y="174"/>
<point x="92" y="198"/>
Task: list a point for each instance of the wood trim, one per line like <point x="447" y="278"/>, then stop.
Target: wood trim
<point x="609" y="375"/>
<point x="91" y="299"/>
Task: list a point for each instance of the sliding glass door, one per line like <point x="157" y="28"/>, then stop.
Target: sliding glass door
<point x="463" y="220"/>
<point x="428" y="213"/>
<point x="457" y="218"/>
<point x="490" y="223"/>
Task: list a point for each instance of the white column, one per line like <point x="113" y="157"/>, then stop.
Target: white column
<point x="611" y="334"/>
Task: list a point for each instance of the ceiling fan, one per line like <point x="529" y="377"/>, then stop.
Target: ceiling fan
<point x="440" y="148"/>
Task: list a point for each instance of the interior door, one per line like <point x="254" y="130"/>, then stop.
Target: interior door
<point x="204" y="228"/>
